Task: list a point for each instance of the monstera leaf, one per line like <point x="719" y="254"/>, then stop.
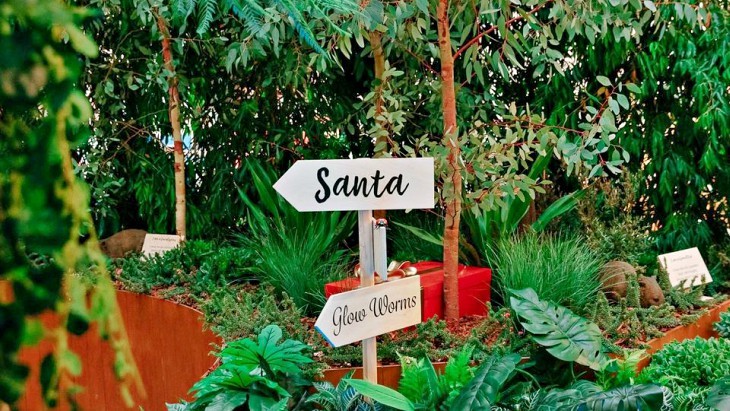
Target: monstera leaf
<point x="483" y="390"/>
<point x="564" y="334"/>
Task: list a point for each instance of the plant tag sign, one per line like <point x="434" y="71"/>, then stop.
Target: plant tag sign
<point x="685" y="265"/>
<point x="371" y="311"/>
<point x="159" y="243"/>
<point x="359" y="184"/>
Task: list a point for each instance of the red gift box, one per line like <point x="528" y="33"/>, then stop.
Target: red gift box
<point x="474" y="289"/>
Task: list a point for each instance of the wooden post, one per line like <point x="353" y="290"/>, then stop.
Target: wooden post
<point x="380" y="249"/>
<point x="367" y="279"/>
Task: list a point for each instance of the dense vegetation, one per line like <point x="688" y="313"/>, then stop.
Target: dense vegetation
<point x="570" y="133"/>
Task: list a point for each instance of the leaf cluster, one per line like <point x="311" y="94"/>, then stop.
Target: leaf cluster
<point x="261" y="374"/>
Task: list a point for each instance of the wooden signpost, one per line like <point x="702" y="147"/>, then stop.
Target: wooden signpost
<point x="364" y="185"/>
<point x="685" y="266"/>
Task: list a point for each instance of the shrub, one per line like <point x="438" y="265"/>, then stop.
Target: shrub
<point x="202" y="266"/>
<point x="296" y="252"/>
<point x="561" y="270"/>
<point x="689" y="368"/>
<point x="723" y="326"/>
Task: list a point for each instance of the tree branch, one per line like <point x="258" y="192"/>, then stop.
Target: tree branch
<point x="488" y="31"/>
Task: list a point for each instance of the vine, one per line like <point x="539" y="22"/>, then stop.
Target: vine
<point x="44" y="213"/>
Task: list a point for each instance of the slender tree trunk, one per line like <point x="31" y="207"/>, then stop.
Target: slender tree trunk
<point x="452" y="182"/>
<point x="174" y="114"/>
<point x="379" y="59"/>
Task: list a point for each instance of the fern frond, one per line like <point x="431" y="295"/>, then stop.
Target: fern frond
<point x="207" y="9"/>
<point x="291" y="9"/>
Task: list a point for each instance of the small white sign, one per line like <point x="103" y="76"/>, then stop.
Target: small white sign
<point x="371" y="311"/>
<point x="159" y="243"/>
<point x="360" y="184"/>
<point x="685" y="265"/>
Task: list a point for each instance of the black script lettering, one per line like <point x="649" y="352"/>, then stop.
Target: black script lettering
<point x="341" y="185"/>
<point x="395" y="184"/>
<point x="358" y="186"/>
<point x="376" y="181"/>
<point x="321" y="173"/>
<point x="342" y="316"/>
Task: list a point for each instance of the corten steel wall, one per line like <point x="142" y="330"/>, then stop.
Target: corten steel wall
<point x="169" y="345"/>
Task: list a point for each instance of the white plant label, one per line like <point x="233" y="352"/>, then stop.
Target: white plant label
<point x="360" y="184"/>
<point x="371" y="311"/>
<point x="685" y="265"/>
<point x="159" y="243"/>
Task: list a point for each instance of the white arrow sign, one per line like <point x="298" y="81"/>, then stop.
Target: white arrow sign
<point x="368" y="312"/>
<point x="360" y="184"/>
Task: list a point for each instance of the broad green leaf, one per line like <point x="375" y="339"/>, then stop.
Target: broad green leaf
<point x="381" y="394"/>
<point x="629" y="398"/>
<point x="482" y="391"/>
<point x="564" y="334"/>
<point x="719" y="396"/>
<point x="604" y="80"/>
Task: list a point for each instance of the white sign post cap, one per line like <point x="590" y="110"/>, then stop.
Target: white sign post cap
<point x="360" y="184"/>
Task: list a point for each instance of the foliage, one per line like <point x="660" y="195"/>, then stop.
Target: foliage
<point x="719" y="396"/>
<point x="198" y="266"/>
<point x="722" y="326"/>
<point x="340" y="398"/>
<point x="561" y="270"/>
<point x="423" y="386"/>
<point x="684" y="119"/>
<point x="585" y="396"/>
<point x="428" y="390"/>
<point x="483" y="390"/>
<point x="611" y="227"/>
<point x="262" y="374"/>
<point x="297" y="253"/>
<point x="238" y="312"/>
<point x="565" y="335"/>
<point x="405" y="245"/>
<point x="127" y="161"/>
<point x="688" y="366"/>
<point x="43" y="208"/>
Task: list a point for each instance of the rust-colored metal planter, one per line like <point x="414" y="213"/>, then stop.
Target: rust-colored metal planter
<point x="703" y="327"/>
<point x="168" y="342"/>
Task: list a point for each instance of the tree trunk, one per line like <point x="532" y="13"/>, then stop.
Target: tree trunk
<point x="174" y="114"/>
<point x="452" y="182"/>
<point x="379" y="62"/>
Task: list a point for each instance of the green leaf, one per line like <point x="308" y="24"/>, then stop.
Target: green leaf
<point x="604" y="81"/>
<point x="561" y="206"/>
<point x="564" y="334"/>
<point x="80" y="41"/>
<point x="629" y="398"/>
<point x="719" y="395"/>
<point x="650" y="5"/>
<point x="381" y="394"/>
<point x="227" y="401"/>
<point x="482" y="391"/>
<point x="623" y="101"/>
